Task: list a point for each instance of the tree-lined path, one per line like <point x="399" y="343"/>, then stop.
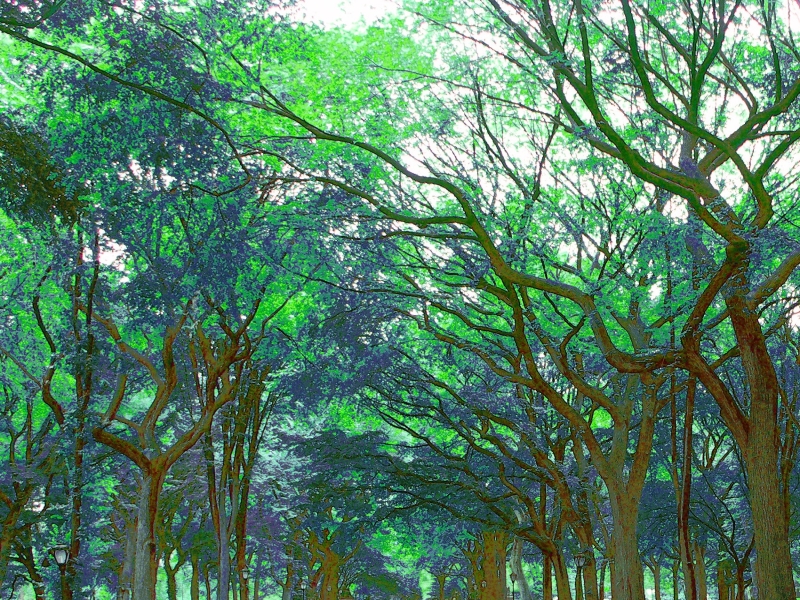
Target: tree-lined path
<point x="473" y="300"/>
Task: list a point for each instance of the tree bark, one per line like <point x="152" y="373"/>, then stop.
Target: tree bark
<point x="657" y="580"/>
<point x="700" y="570"/>
<point x="129" y="559"/>
<point x="146" y="563"/>
<point x="628" y="580"/>
<point x="195" y="585"/>
<point x="516" y="569"/>
<point x="562" y="577"/>
<point x="547" y="578"/>
<point x="172" y="584"/>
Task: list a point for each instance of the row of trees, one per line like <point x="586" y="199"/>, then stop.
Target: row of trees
<point x="537" y="260"/>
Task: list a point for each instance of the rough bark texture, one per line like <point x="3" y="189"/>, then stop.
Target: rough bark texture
<point x="146" y="563"/>
<point x="628" y="580"/>
<point x="562" y="577"/>
<point x="547" y="578"/>
<point x="195" y="585"/>
<point x="700" y="570"/>
<point x="494" y="545"/>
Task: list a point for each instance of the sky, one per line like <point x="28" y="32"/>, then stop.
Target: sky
<point x="330" y="13"/>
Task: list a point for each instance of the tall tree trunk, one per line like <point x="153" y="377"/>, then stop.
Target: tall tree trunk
<point x="725" y="580"/>
<point x="516" y="568"/>
<point x="683" y="488"/>
<point x="601" y="590"/>
<point x="773" y="562"/>
<point x="223" y="566"/>
<point x="675" y="570"/>
<point x="759" y="439"/>
<point x="129" y="559"/>
<point x="657" y="580"/>
<point x="172" y="583"/>
<point x="195" y="585"/>
<point x="700" y="570"/>
<point x="207" y="581"/>
<point x="562" y="577"/>
<point x="494" y="565"/>
<point x="547" y="578"/>
<point x="628" y="580"/>
<point x="146" y="563"/>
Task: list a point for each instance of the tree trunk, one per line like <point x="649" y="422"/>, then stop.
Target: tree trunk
<point x="330" y="583"/>
<point x="628" y="580"/>
<point x="516" y="569"/>
<point x="172" y="584"/>
<point x="207" y="581"/>
<point x="589" y="575"/>
<point x="773" y="560"/>
<point x="761" y="452"/>
<point x="601" y="589"/>
<point x="195" y="586"/>
<point x="562" y="577"/>
<point x="724" y="580"/>
<point x="224" y="565"/>
<point x="494" y="565"/>
<point x="700" y="571"/>
<point x="547" y="578"/>
<point x="441" y="579"/>
<point x="657" y="579"/>
<point x="683" y="489"/>
<point x="146" y="563"/>
<point x="675" y="569"/>
<point x="129" y="559"/>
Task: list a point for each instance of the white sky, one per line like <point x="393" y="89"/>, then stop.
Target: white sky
<point x="349" y="13"/>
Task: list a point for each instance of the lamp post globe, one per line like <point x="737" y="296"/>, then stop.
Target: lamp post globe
<point x="61" y="554"/>
<point x="245" y="573"/>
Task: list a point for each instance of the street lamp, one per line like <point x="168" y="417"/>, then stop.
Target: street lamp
<point x="580" y="561"/>
<point x="513" y="588"/>
<point x="61" y="554"/>
<point x="483" y="583"/>
<point x="245" y="573"/>
<point x="303" y="586"/>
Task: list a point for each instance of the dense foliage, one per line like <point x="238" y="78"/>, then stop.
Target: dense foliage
<point x="477" y="299"/>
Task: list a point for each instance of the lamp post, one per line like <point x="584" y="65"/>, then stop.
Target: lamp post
<point x="61" y="554"/>
<point x="303" y="586"/>
<point x="580" y="562"/>
<point x="513" y="586"/>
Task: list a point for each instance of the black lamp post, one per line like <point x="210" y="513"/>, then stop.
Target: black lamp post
<point x="580" y="561"/>
<point x="513" y="586"/>
<point x="61" y="554"/>
<point x="303" y="586"/>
